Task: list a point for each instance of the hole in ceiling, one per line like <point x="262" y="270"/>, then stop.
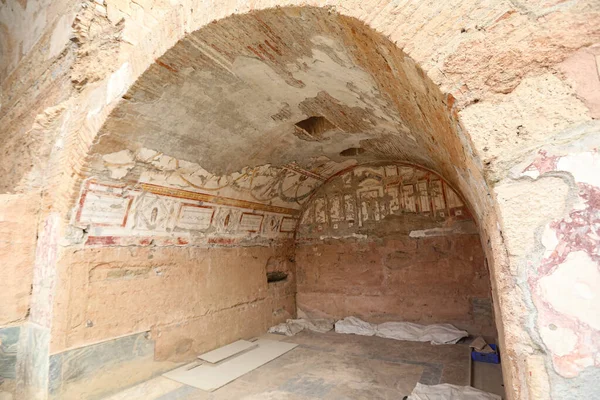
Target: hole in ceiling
<point x="276" y="276"/>
<point x="313" y="128"/>
<point x="352" y="151"/>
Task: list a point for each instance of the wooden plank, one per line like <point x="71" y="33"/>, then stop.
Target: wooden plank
<point x="210" y="377"/>
<point x="225" y="352"/>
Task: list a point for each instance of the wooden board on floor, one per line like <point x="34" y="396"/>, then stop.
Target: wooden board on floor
<point x="225" y="352"/>
<point x="210" y="377"/>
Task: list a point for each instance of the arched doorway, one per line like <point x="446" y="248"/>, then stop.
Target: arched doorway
<point x="210" y="156"/>
<point x="139" y="151"/>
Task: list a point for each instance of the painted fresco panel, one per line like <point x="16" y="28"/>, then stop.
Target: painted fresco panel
<point x="370" y="194"/>
<point x="194" y="217"/>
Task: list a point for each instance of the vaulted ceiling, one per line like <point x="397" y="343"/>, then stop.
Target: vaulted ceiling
<point x="234" y="128"/>
<point x="283" y="86"/>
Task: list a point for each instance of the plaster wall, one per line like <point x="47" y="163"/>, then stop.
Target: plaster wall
<point x="428" y="280"/>
<point x="191" y="300"/>
<point x="148" y="309"/>
<point x="18" y="228"/>
<point x="519" y="75"/>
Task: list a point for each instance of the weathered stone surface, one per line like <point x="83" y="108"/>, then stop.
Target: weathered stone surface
<point x="170" y="287"/>
<point x="92" y="372"/>
<point x="335" y="280"/>
<point x="18" y="226"/>
<point x="509" y="126"/>
<point x="564" y="282"/>
<point x="582" y="70"/>
<point x="33" y="362"/>
<point x="9" y="340"/>
<point x="504" y="58"/>
<point x="548" y="194"/>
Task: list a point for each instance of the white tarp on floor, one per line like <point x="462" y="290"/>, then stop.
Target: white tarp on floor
<point x="293" y="326"/>
<point x="446" y="391"/>
<point x="436" y="334"/>
<point x="355" y="326"/>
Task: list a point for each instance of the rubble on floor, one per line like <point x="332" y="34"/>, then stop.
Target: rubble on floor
<point x="479" y="344"/>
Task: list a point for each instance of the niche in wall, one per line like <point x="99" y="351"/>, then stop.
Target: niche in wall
<point x="276" y="276"/>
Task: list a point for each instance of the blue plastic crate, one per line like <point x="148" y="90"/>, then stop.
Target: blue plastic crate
<point x="492" y="358"/>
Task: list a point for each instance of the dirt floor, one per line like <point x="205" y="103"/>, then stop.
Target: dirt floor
<point x="330" y="366"/>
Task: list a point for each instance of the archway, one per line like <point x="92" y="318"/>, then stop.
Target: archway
<point x="208" y="159"/>
<point x="132" y="170"/>
<point x="392" y="242"/>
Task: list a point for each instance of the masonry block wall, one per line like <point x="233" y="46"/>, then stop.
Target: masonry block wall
<point x="147" y="309"/>
<point x="427" y="280"/>
<point x="191" y="300"/>
<point x="498" y="97"/>
<point x="18" y="228"/>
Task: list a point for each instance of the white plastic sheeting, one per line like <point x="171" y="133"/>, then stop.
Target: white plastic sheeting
<point x="436" y="334"/>
<point x="446" y="391"/>
<point x="355" y="326"/>
<point x="293" y="326"/>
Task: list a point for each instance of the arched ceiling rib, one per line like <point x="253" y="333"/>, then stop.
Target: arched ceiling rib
<point x="230" y="95"/>
<point x="256" y="111"/>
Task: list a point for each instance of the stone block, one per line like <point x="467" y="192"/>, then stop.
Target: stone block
<point x="98" y="370"/>
<point x="9" y="341"/>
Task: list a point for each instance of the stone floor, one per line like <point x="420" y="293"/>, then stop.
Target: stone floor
<point x="330" y="366"/>
<point x="488" y="377"/>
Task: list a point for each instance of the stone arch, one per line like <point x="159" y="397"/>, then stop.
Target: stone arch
<point x="174" y="24"/>
<point x="392" y="241"/>
<point x="427" y="117"/>
<point x="434" y="36"/>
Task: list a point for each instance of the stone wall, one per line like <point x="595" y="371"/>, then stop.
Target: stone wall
<point x="515" y="80"/>
<point x="35" y="60"/>
<point x="18" y="228"/>
<point x="392" y="243"/>
<point x="187" y="300"/>
<point x="428" y="280"/>
<point x="191" y="299"/>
